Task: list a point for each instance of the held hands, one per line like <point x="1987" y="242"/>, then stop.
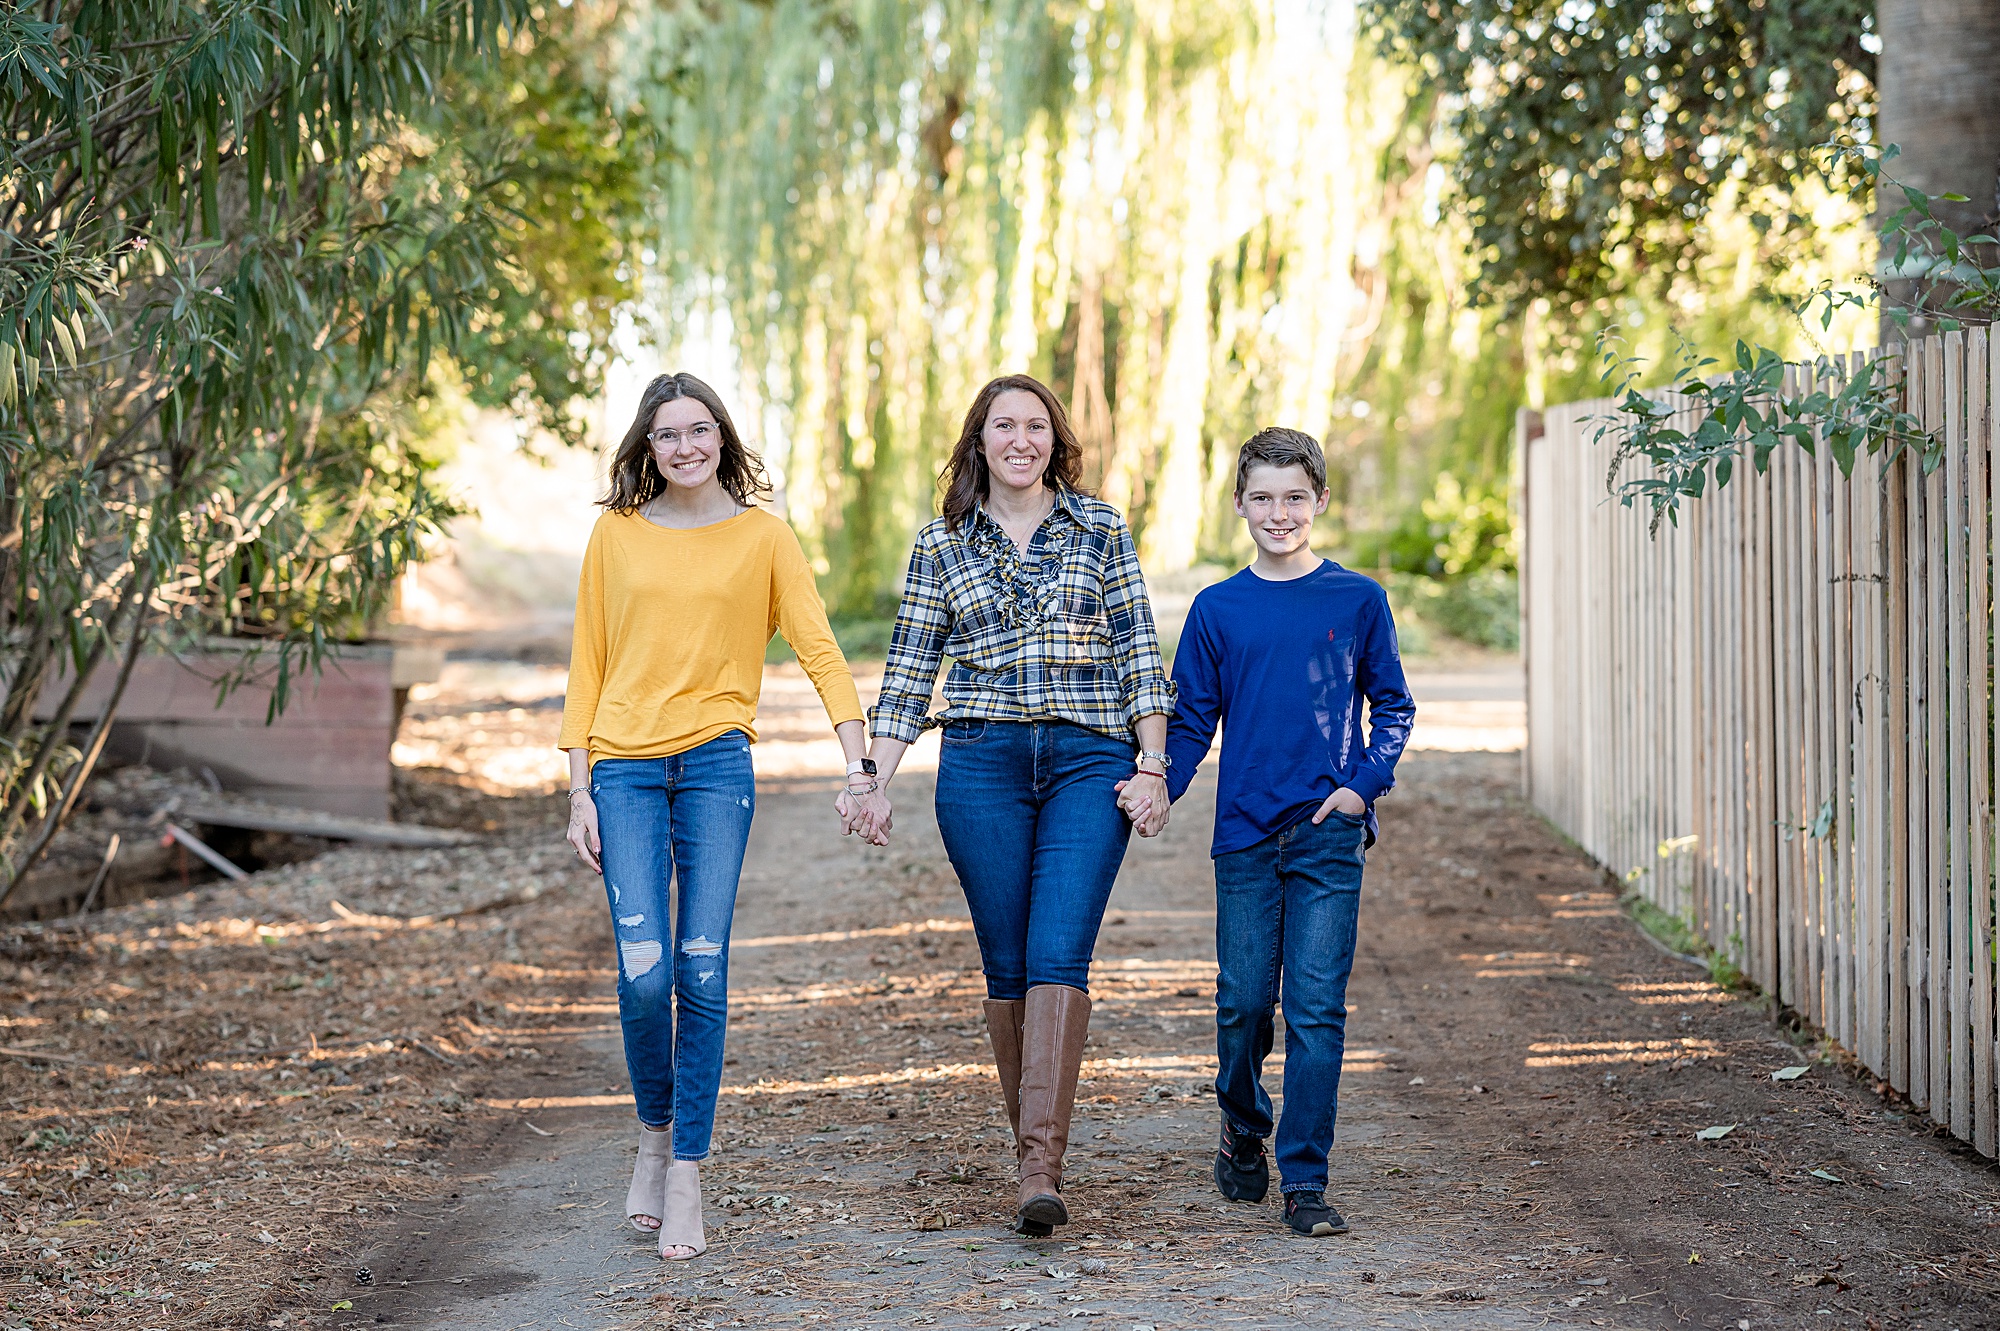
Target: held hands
<point x="1143" y="799"/>
<point x="583" y="830"/>
<point x="1344" y="800"/>
<point x="865" y="813"/>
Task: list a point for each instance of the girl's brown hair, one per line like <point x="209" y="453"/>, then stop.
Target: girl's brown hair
<point x="965" y="478"/>
<point x="635" y="477"/>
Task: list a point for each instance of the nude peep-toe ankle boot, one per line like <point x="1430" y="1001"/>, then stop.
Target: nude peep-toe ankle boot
<point x="681" y="1234"/>
<point x="646" y="1199"/>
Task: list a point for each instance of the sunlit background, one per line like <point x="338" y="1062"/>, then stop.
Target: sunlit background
<point x="1191" y="220"/>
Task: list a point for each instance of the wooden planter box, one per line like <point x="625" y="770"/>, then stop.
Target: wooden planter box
<point x="328" y="750"/>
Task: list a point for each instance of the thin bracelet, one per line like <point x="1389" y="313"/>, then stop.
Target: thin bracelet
<point x="868" y="789"/>
<point x="580" y="790"/>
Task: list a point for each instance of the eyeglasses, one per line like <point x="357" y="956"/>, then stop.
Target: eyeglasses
<point x="698" y="434"/>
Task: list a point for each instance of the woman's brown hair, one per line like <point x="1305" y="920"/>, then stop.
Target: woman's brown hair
<point x="965" y="478"/>
<point x="635" y="477"/>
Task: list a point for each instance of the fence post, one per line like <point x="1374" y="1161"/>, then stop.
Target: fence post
<point x="1527" y="433"/>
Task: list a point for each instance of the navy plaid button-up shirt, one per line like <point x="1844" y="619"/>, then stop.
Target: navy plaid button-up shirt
<point x="1063" y="632"/>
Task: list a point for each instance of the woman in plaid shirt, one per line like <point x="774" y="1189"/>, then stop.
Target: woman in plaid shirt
<point x="1056" y="695"/>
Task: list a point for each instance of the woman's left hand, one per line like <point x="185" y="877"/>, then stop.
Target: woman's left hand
<point x="1143" y="797"/>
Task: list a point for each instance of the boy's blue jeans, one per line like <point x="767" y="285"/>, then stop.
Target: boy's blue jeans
<point x="658" y="817"/>
<point x="1030" y="817"/>
<point x="1285" y="916"/>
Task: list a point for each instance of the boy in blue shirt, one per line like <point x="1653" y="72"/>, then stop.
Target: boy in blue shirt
<point x="1281" y="655"/>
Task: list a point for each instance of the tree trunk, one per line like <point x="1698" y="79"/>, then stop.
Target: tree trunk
<point x="1938" y="82"/>
<point x="1089" y="406"/>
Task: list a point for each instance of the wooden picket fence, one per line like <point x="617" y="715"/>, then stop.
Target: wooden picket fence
<point x="1776" y="719"/>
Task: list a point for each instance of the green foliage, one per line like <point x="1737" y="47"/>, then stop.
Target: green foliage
<point x="1480" y="610"/>
<point x="1694" y="434"/>
<point x="564" y="158"/>
<point x="1679" y="936"/>
<point x="1452" y="534"/>
<point x="1598" y="139"/>
<point x="1483" y="608"/>
<point x="233" y="236"/>
<point x="1746" y="410"/>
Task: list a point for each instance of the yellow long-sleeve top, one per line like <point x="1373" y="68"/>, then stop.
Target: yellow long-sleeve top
<point x="671" y="627"/>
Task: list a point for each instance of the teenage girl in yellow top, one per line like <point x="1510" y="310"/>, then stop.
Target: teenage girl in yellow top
<point x="684" y="582"/>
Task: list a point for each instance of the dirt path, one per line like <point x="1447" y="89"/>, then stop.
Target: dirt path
<point x="1525" y="1078"/>
<point x="1526" y="1075"/>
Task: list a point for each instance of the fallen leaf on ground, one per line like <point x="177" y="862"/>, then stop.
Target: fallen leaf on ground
<point x="1830" y="1178"/>
<point x="539" y="1132"/>
<point x="1790" y="1074"/>
<point x="1716" y="1133"/>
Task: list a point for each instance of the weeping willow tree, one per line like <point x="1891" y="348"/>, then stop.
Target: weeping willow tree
<point x="1191" y="219"/>
<point x="1154" y="206"/>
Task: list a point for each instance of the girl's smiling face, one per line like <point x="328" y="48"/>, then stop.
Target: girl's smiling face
<point x="686" y="443"/>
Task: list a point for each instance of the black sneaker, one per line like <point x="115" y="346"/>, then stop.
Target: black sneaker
<point x="1241" y="1172"/>
<point x="1308" y="1214"/>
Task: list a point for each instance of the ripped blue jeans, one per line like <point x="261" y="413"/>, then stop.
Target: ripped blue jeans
<point x="688" y="818"/>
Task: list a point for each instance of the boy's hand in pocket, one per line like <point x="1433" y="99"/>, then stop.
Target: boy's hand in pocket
<point x="1344" y="800"/>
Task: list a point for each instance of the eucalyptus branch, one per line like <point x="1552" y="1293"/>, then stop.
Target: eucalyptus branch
<point x="1745" y="411"/>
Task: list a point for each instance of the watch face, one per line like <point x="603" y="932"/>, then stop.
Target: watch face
<point x="868" y="766"/>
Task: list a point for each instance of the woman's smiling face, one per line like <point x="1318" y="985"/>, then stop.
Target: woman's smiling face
<point x="1017" y="440"/>
<point x="686" y="443"/>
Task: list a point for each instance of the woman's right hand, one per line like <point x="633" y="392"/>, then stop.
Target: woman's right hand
<point x="583" y="830"/>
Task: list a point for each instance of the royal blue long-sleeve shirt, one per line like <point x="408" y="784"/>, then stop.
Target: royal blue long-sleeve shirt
<point x="1283" y="668"/>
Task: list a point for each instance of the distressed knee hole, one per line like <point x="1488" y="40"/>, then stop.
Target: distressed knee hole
<point x="638" y="958"/>
<point x="704" y="948"/>
<point x="631" y="921"/>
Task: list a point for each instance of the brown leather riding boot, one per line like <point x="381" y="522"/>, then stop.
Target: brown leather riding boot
<point x="1052" y="1031"/>
<point x="1003" y="1028"/>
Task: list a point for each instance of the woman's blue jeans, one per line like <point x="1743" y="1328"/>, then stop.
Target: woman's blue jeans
<point x="687" y="816"/>
<point x="1030" y="817"/>
<point x="1286" y="911"/>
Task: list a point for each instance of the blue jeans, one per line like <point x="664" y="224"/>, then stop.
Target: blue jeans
<point x="658" y="817"/>
<point x="1029" y="813"/>
<point x="1285" y="916"/>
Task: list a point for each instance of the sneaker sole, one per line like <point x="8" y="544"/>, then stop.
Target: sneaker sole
<point x="1319" y="1231"/>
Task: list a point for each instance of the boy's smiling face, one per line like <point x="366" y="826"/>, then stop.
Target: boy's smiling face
<point x="1279" y="505"/>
